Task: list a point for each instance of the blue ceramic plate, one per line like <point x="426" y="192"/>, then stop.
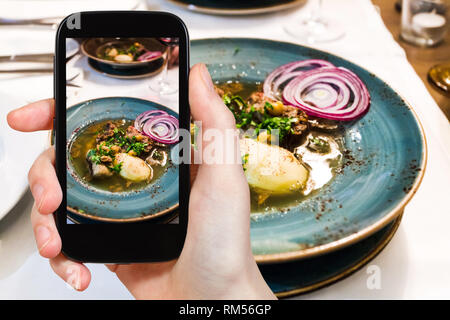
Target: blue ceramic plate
<point x="298" y="277"/>
<point x="237" y="7"/>
<point x="150" y="69"/>
<point x="384" y="165"/>
<point x="155" y="200"/>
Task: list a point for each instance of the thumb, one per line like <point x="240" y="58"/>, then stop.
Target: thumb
<point x="220" y="193"/>
<point x="206" y="105"/>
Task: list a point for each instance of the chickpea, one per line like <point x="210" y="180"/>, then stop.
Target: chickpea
<point x="115" y="148"/>
<point x="105" y="159"/>
<point x="277" y="109"/>
<point x="139" y="137"/>
<point x="132" y="153"/>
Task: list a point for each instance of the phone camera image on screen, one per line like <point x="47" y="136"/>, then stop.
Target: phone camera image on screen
<point x="122" y="130"/>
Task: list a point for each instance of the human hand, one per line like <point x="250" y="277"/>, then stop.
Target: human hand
<point x="216" y="261"/>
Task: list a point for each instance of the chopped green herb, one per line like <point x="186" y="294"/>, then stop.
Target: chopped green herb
<point x="95" y="158"/>
<point x="256" y="119"/>
<point x="157" y="155"/>
<point x="116" y="167"/>
<point x="245" y="160"/>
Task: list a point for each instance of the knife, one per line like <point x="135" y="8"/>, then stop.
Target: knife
<point x="38" y="57"/>
<point x="50" y="21"/>
<point x="42" y="70"/>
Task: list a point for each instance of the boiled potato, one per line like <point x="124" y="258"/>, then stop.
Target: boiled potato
<point x="133" y="168"/>
<point x="271" y="170"/>
<point x="123" y="58"/>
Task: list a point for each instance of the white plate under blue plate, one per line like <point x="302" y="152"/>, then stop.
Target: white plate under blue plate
<point x="72" y="47"/>
<point x="18" y="151"/>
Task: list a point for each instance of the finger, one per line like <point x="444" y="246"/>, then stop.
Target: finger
<point x="73" y="273"/>
<point x="46" y="235"/>
<point x="33" y="117"/>
<point x="112" y="267"/>
<point x="44" y="184"/>
<point x="193" y="168"/>
<point x="206" y="105"/>
<point x="217" y="128"/>
<point x="225" y="178"/>
<point x="145" y="280"/>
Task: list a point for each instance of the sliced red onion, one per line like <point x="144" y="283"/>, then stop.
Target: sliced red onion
<point x="162" y="128"/>
<point x="149" y="55"/>
<point x="145" y="116"/>
<point x="339" y="83"/>
<point x="288" y="71"/>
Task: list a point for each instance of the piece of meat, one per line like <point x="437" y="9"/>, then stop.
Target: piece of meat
<point x="257" y="100"/>
<point x="98" y="170"/>
<point x="107" y="132"/>
<point x="105" y="159"/>
<point x="133" y="132"/>
<point x="299" y="127"/>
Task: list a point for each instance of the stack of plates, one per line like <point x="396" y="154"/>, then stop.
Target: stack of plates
<point x="133" y="70"/>
<point x="237" y="7"/>
<point x="343" y="225"/>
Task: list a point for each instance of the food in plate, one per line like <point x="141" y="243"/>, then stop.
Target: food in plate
<point x="123" y="155"/>
<point x="271" y="170"/>
<point x="292" y="139"/>
<point x="125" y="53"/>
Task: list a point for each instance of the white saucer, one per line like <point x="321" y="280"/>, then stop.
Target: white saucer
<point x="17" y="153"/>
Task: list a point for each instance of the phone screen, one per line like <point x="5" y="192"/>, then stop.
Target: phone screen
<point x="122" y="130"/>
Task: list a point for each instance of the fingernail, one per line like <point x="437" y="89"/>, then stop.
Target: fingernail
<point x="207" y="78"/>
<point x="43" y="236"/>
<point x="38" y="192"/>
<point x="74" y="277"/>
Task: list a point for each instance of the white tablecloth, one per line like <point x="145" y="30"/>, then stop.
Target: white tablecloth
<point x="416" y="264"/>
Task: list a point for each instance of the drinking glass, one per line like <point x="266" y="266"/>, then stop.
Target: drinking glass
<point x="163" y="85"/>
<point x="314" y="27"/>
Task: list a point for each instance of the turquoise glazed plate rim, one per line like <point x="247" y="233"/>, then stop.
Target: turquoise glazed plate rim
<point x="304" y="276"/>
<point x="226" y="11"/>
<point x="386" y="171"/>
<point x="133" y="206"/>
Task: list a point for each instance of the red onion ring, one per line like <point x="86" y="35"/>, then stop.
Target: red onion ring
<point x="337" y="79"/>
<point x="145" y="116"/>
<point x="162" y="128"/>
<point x="149" y="55"/>
<point x="288" y="71"/>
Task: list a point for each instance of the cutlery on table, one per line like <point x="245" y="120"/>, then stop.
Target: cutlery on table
<point x="33" y="70"/>
<point x="36" y="57"/>
<point x="49" y="21"/>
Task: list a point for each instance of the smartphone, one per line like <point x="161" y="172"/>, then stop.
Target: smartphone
<point x="121" y="94"/>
